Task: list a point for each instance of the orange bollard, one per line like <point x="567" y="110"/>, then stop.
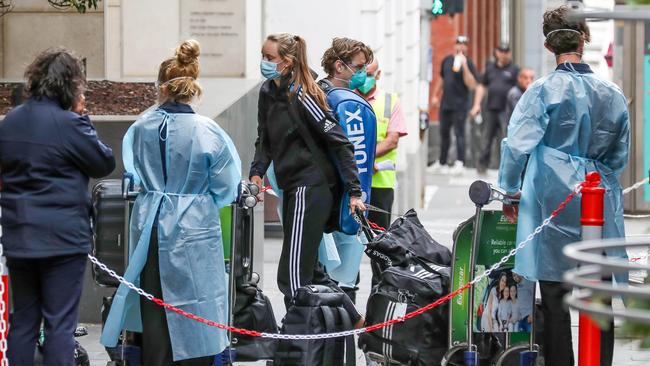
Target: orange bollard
<point x="592" y="220"/>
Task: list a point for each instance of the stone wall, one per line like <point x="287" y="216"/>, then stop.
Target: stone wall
<point x="229" y="32"/>
<point x="34" y="26"/>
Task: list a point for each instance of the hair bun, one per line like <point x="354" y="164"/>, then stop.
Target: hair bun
<point x="188" y="52"/>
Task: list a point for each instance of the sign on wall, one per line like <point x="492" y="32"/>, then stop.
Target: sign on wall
<point x="219" y="25"/>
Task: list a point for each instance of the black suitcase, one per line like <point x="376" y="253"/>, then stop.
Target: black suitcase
<point x="109" y="230"/>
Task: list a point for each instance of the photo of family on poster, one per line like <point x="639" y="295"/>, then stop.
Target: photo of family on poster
<point x="506" y="303"/>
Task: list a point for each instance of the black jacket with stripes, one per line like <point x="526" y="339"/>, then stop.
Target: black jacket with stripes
<point x="280" y="142"/>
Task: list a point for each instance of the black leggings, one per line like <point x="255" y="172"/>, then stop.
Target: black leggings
<point x="156" y="344"/>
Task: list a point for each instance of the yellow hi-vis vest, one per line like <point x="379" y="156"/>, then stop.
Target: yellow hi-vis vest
<point x="383" y="107"/>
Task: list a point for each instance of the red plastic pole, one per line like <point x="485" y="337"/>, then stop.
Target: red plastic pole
<point x="592" y="220"/>
<point x="5" y="302"/>
<point x="4" y="307"/>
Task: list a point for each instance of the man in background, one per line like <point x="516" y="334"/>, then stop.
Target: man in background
<point x="458" y="77"/>
<point x="524" y="79"/>
<point x="391" y="126"/>
<point x="499" y="77"/>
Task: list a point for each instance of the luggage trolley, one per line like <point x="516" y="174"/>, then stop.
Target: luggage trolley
<point x="113" y="201"/>
<point x="471" y="333"/>
<point x="237" y="236"/>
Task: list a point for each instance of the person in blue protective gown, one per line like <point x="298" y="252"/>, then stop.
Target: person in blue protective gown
<point x="565" y="125"/>
<point x="188" y="169"/>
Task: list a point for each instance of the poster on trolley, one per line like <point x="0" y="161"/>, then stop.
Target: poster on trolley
<point x="504" y="300"/>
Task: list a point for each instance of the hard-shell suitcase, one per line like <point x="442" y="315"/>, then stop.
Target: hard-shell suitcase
<point x="109" y="242"/>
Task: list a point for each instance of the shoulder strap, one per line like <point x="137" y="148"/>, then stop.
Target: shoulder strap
<point x="318" y="154"/>
<point x="325" y="85"/>
<point x="350" y="349"/>
<point x="330" y="344"/>
<point x="422" y="263"/>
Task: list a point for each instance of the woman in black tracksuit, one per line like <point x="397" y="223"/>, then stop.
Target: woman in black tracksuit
<point x="291" y="96"/>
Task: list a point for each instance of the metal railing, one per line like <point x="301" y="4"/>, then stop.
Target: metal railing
<point x="587" y="279"/>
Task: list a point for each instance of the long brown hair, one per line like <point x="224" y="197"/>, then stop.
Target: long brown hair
<point x="294" y="48"/>
<point x="178" y="74"/>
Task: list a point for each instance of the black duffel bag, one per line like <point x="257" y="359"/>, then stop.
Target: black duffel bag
<point x="406" y="238"/>
<point x="253" y="311"/>
<point x="316" y="309"/>
<point x="418" y="341"/>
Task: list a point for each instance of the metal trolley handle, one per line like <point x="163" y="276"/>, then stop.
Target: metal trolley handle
<point x="482" y="193"/>
<point x="129" y="193"/>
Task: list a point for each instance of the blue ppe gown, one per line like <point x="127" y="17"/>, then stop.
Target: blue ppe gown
<point x="565" y="125"/>
<point x="203" y="170"/>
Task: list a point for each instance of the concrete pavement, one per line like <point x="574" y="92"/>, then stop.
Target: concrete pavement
<point x="447" y="205"/>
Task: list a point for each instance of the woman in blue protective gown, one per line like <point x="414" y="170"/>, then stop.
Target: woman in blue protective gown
<point x="565" y="125"/>
<point x="188" y="169"/>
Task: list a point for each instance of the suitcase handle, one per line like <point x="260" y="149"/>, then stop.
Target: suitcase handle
<point x="128" y="187"/>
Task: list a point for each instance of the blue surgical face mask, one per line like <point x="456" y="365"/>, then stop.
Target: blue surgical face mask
<point x="269" y="69"/>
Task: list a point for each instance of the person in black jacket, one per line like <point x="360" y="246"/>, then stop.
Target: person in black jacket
<point x="48" y="151"/>
<point x="499" y="77"/>
<point x="291" y="105"/>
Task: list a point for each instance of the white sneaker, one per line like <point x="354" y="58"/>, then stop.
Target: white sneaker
<point x="436" y="167"/>
<point x="458" y="168"/>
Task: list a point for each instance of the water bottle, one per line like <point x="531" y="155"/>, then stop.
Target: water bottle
<point x="458" y="61"/>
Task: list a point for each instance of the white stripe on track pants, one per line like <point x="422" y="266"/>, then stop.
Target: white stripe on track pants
<point x="305" y="212"/>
